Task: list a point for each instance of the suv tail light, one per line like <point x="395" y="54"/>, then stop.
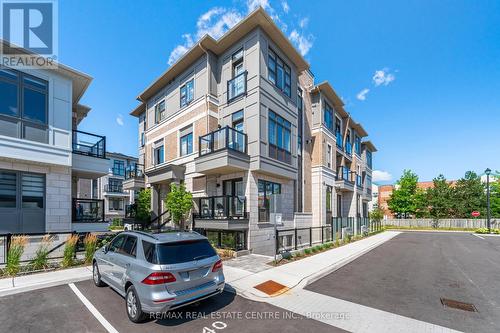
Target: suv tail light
<point x="159" y="278"/>
<point x="217" y="265"/>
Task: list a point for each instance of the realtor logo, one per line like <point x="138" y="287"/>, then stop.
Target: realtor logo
<point x="30" y="25"/>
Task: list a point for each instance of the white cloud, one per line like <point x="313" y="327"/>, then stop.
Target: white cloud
<point x="362" y="94"/>
<point x="119" y="120"/>
<point x="304" y="22"/>
<point x="381" y="176"/>
<point x="254" y="4"/>
<point x="218" y="20"/>
<point x="383" y="77"/>
<point x="302" y="42"/>
<point x="286" y="7"/>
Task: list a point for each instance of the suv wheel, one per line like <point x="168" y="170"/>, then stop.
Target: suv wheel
<point x="133" y="305"/>
<point x="96" y="276"/>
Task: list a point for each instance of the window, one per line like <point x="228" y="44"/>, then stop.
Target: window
<point x="129" y="246"/>
<point x="33" y="189"/>
<point x="186" y="141"/>
<point x="115" y="204"/>
<point x="279" y="138"/>
<point x="118" y="168"/>
<point x="328" y="199"/>
<point x="143" y="139"/>
<point x="279" y="73"/>
<point x="117" y="243"/>
<point x="357" y="145"/>
<point x="187" y="93"/>
<point x="23" y="106"/>
<point x="159" y="112"/>
<point x="150" y="252"/>
<point x="8" y="189"/>
<point x="369" y="158"/>
<point x="181" y="252"/>
<point x="328" y="116"/>
<point x="238" y="120"/>
<point x="329" y="156"/>
<point x="266" y="189"/>
<point x="158" y="155"/>
<point x="237" y="60"/>
<point x="300" y="109"/>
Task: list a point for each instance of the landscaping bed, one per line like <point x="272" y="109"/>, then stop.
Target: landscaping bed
<point x="287" y="257"/>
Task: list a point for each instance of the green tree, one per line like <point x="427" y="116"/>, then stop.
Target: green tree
<point x="402" y="200"/>
<point x="421" y="203"/>
<point x="376" y="215"/>
<point x="495" y="199"/>
<point x="440" y="199"/>
<point x="143" y="202"/>
<point x="469" y="195"/>
<point x="179" y="203"/>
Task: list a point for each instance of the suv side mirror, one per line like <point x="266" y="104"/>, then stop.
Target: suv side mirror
<point x="106" y="248"/>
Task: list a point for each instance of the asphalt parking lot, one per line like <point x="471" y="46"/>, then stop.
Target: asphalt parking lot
<point x="58" y="309"/>
<point x="409" y="274"/>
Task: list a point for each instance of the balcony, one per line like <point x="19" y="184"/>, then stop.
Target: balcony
<point x="89" y="155"/>
<point x="87" y="210"/>
<point x="134" y="177"/>
<point x="344" y="179"/>
<point x="237" y="87"/>
<point x="114" y="189"/>
<point x="222" y="212"/>
<point x="222" y="151"/>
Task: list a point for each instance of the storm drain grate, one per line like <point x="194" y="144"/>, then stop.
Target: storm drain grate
<point x="449" y="303"/>
<point x="271" y="287"/>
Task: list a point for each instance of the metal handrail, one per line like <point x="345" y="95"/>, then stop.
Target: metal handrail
<point x="96" y="148"/>
<point x="222" y="207"/>
<point x="229" y="133"/>
<point x="94" y="213"/>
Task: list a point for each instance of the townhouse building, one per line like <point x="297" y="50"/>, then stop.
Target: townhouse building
<point x="43" y="154"/>
<point x="109" y="188"/>
<point x="241" y="122"/>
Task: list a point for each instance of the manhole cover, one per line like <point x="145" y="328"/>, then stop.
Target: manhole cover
<point x="271" y="287"/>
<point x="449" y="303"/>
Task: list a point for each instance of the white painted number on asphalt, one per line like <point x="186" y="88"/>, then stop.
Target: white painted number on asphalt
<point x="217" y="325"/>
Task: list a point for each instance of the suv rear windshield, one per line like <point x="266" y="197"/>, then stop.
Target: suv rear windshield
<point x="178" y="252"/>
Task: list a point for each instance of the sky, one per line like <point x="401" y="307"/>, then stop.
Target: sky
<point x="422" y="76"/>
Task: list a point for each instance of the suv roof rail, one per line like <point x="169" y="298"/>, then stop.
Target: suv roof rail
<point x="143" y="233"/>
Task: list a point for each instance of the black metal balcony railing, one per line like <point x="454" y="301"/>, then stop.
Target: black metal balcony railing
<point x="134" y="171"/>
<point x="344" y="174"/>
<point x="237" y="86"/>
<point x="222" y="207"/>
<point x="89" y="144"/>
<point x="224" y="138"/>
<point x="113" y="188"/>
<point x="87" y="210"/>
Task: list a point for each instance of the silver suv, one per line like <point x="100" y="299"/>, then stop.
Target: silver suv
<point x="158" y="272"/>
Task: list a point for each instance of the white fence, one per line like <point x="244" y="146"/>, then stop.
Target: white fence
<point x="443" y="223"/>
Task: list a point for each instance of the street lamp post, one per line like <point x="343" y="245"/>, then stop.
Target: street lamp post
<point x="488" y="213"/>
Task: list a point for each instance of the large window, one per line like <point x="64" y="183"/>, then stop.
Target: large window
<point x="280" y="132"/>
<point x="158" y="155"/>
<point x="279" y="73"/>
<point x="8" y="189"/>
<point x="118" y="168"/>
<point x="237" y="120"/>
<point x="328" y="116"/>
<point x="23" y="106"/>
<point x="369" y="158"/>
<point x="186" y="141"/>
<point x="32" y="190"/>
<point x="357" y="145"/>
<point x="115" y="204"/>
<point x="159" y="112"/>
<point x="266" y="190"/>
<point x="187" y="93"/>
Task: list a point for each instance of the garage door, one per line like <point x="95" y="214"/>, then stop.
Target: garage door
<point x="22" y="202"/>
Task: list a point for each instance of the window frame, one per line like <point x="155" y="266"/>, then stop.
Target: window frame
<point x="266" y="205"/>
<point x="274" y="70"/>
<point x="281" y="147"/>
<point x="236" y="119"/>
<point x="329" y="110"/>
<point x="186" y="136"/>
<point x="160" y="112"/>
<point x="20" y="120"/>
<point x="186" y="95"/>
<point x="156" y="150"/>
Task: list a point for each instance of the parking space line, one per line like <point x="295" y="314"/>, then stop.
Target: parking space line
<point x="478" y="236"/>
<point x="93" y="310"/>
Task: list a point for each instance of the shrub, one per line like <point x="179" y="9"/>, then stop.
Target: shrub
<point x="69" y="251"/>
<point x="337" y="242"/>
<point x="307" y="251"/>
<point x="298" y="254"/>
<point x="16" y="250"/>
<point x="319" y="248"/>
<point x="41" y="259"/>
<point x="485" y="231"/>
<point x="348" y="238"/>
<point x="90" y="243"/>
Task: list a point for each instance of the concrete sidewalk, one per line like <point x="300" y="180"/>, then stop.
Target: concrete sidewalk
<point x="304" y="271"/>
<point x="20" y="284"/>
<point x="295" y="274"/>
